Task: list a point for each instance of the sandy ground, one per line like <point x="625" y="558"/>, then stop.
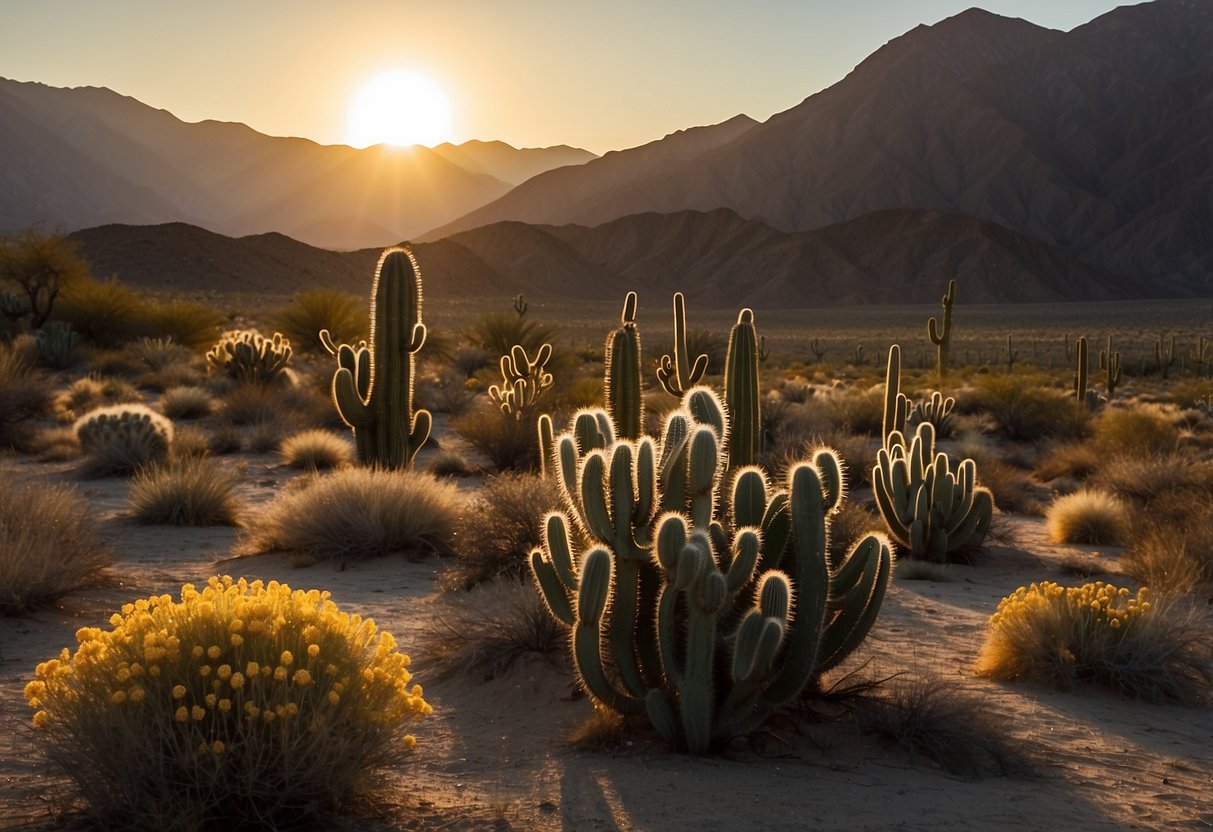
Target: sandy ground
<point x="496" y="754"/>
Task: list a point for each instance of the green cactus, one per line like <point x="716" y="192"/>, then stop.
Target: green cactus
<point x="523" y="380"/>
<point x="120" y="438"/>
<point x="896" y="403"/>
<point x="1012" y="355"/>
<point x="721" y="608"/>
<point x="741" y="393"/>
<point x="818" y="348"/>
<point x="941" y="335"/>
<point x="1164" y="354"/>
<point x="624" y="399"/>
<point x="1109" y="362"/>
<point x="1080" y="373"/>
<point x="56" y="340"/>
<point x="676" y="373"/>
<point x="373" y="384"/>
<point x="938" y="410"/>
<point x="249" y="356"/>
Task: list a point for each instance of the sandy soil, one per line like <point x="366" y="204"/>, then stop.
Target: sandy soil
<point x="496" y="755"/>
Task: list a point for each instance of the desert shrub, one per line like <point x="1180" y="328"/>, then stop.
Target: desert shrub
<point x="446" y="392"/>
<point x="266" y="437"/>
<point x="53" y="444"/>
<point x="242" y="701"/>
<point x="194" y="491"/>
<point x="1024" y="407"/>
<point x="105" y="312"/>
<point x="847" y="525"/>
<point x="25" y="395"/>
<point x="357" y="513"/>
<point x="255" y="404"/>
<point x="248" y="356"/>
<point x="49" y="545"/>
<point x="509" y="443"/>
<point x="498" y="332"/>
<point x="1171" y="545"/>
<point x="1087" y="516"/>
<point x="486" y="631"/>
<point x="449" y="462"/>
<point x="499" y="527"/>
<point x="187" y="402"/>
<point x="1013" y="490"/>
<point x="191" y="324"/>
<point x="158" y="353"/>
<point x="93" y="392"/>
<point x="313" y="450"/>
<point x="121" y="438"/>
<point x="1134" y="430"/>
<point x="858" y="409"/>
<point x="1073" y="460"/>
<point x="1098" y="633"/>
<point x="1144" y="478"/>
<point x="189" y="442"/>
<point x="342" y="314"/>
<point x="225" y="438"/>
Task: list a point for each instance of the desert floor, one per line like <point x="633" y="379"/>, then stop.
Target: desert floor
<point x="496" y="753"/>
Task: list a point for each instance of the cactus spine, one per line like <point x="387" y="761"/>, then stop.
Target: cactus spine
<point x="676" y="373"/>
<point x="373" y="384"/>
<point x="716" y="619"/>
<point x="941" y="335"/>
<point x="1080" y="374"/>
<point x="624" y="400"/>
<point x="1109" y="362"/>
<point x="741" y="393"/>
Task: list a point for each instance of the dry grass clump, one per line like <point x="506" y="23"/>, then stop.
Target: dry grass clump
<point x="239" y="706"/>
<point x="850" y="522"/>
<point x="92" y="392"/>
<point x="1155" y="651"/>
<point x="1025" y="407"/>
<point x="449" y="462"/>
<point x="1144" y="479"/>
<point x="53" y="444"/>
<point x="313" y="450"/>
<point x="856" y="409"/>
<point x="49" y="545"/>
<point x="357" y="513"/>
<point x="509" y="444"/>
<point x="447" y="392"/>
<point x="1171" y="547"/>
<point x="342" y="314"/>
<point x="1134" y="430"/>
<point x="1013" y="489"/>
<point x="194" y="491"/>
<point x="486" y="631"/>
<point x="187" y="402"/>
<point x="119" y="440"/>
<point x="25" y="395"/>
<point x="499" y="527"/>
<point x="1071" y="460"/>
<point x="1088" y="516"/>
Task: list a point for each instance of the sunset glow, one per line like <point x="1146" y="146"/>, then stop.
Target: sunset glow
<point x="401" y="108"/>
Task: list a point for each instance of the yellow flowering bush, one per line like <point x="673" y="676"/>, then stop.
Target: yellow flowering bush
<point x="237" y="700"/>
<point x="1098" y="633"/>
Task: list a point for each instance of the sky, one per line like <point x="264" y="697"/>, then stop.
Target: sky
<point x="601" y="75"/>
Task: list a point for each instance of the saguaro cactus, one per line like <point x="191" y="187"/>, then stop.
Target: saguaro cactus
<point x="373" y="384"/>
<point x="624" y="400"/>
<point x="896" y="403"/>
<point x="1164" y="354"/>
<point x="741" y="394"/>
<point x="1109" y="362"/>
<point x="1080" y="372"/>
<point x="676" y="373"/>
<point x="941" y="335"/>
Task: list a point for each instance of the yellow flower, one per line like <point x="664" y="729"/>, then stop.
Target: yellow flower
<point x="236" y="639"/>
<point x="224" y="671"/>
<point x="334" y="697"/>
<point x="217" y="747"/>
<point x="118" y="697"/>
<point x="252" y="669"/>
<point x="313" y="650"/>
<point x="205" y="670"/>
<point x="213" y="652"/>
<point x="182" y="714"/>
<point x="225" y="705"/>
<point x="286" y="659"/>
<point x="41" y="719"/>
<point x="280" y="673"/>
<point x="211" y="699"/>
<point x="237" y="681"/>
<point x="136" y="695"/>
<point x="198" y="712"/>
<point x="179" y="691"/>
<point x="197" y="652"/>
<point x="302" y="677"/>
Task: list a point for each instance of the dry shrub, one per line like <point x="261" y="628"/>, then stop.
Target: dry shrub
<point x="356" y="513"/>
<point x="449" y="462"/>
<point x="191" y="324"/>
<point x="258" y="404"/>
<point x="25" y="395"/>
<point x="187" y="402"/>
<point x="1144" y="479"/>
<point x="1134" y="430"/>
<point x="120" y="439"/>
<point x="849" y="523"/>
<point x="1071" y="460"/>
<point x="190" y="442"/>
<point x="194" y="491"/>
<point x="313" y="450"/>
<point x="499" y="527"/>
<point x="1013" y="490"/>
<point x="53" y="444"/>
<point x="240" y="706"/>
<point x="92" y="392"/>
<point x="1087" y="516"/>
<point x="342" y="314"/>
<point x="509" y="444"/>
<point x="225" y="438"/>
<point x="49" y="545"/>
<point x="159" y="353"/>
<point x="486" y="631"/>
<point x="266" y="437"/>
<point x="1155" y="651"/>
<point x="447" y="392"/>
<point x="857" y="409"/>
<point x="1024" y="407"/>
<point x="1171" y="547"/>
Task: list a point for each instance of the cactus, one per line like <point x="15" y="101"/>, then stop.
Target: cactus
<point x="1109" y="362"/>
<point x="1080" y="373"/>
<point x="936" y="410"/>
<point x="523" y="379"/>
<point x="941" y="335"/>
<point x="120" y="438"/>
<point x="520" y="305"/>
<point x="676" y="373"/>
<point x="624" y="400"/>
<point x="1013" y="354"/>
<point x="896" y="403"/>
<point x="249" y="356"/>
<point x="1164" y="354"/>
<point x="718" y="614"/>
<point x="741" y="393"/>
<point x="56" y="340"/>
<point x="373" y="384"/>
<point x="1201" y="355"/>
<point x="818" y="348"/>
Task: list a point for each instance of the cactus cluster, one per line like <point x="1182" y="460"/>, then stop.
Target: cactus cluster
<point x="523" y="379"/>
<point x="936" y="409"/>
<point x="373" y="384"/>
<point x="56" y="340"/>
<point x="122" y="437"/>
<point x="247" y="355"/>
<point x="929" y="509"/>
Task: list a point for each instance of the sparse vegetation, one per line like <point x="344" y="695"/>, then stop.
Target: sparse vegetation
<point x="25" y="395"/>
<point x="314" y="450"/>
<point x="121" y="438"/>
<point x="194" y="491"/>
<point x="1088" y="516"/>
<point x="187" y="403"/>
<point x="342" y="314"/>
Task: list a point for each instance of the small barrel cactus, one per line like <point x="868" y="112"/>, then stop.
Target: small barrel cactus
<point x="121" y="438"/>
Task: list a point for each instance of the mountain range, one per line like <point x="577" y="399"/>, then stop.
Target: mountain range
<point x="1038" y="165"/>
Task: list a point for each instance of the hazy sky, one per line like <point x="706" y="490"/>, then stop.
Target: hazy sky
<point x="601" y="75"/>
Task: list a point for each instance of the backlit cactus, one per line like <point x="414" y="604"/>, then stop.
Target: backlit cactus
<point x="936" y="409"/>
<point x="523" y="379"/>
<point x="246" y="355"/>
<point x="56" y="340"/>
<point x="122" y="437"/>
<point x="624" y="398"/>
<point x="896" y="403"/>
<point x="741" y="394"/>
<point x="941" y="334"/>
<point x="1081" y="370"/>
<point x="705" y="612"/>
<point x="373" y="384"/>
<point x="676" y="373"/>
<point x="1109" y="362"/>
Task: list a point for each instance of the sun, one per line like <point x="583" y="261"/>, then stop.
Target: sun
<point x="399" y="107"/>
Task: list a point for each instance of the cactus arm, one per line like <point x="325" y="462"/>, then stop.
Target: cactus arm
<point x="676" y="373"/>
<point x="594" y="590"/>
<point x="862" y="583"/>
<point x="547" y="462"/>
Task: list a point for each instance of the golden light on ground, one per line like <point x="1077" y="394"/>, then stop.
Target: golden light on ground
<point x="399" y="107"/>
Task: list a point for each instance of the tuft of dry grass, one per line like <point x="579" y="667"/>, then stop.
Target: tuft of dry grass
<point x="93" y="392"/>
<point x="25" y="395"/>
<point x="1143" y="479"/>
<point x="1025" y="407"/>
<point x="1013" y="489"/>
<point x="356" y="513"/>
<point x="49" y="545"/>
<point x="1088" y="516"/>
<point x="187" y="402"/>
<point x="195" y="491"/>
<point x="1135" y="429"/>
<point x="313" y="450"/>
<point x="509" y="444"/>
<point x="1171" y="547"/>
<point x="1072" y="460"/>
<point x="499" y="527"/>
<point x="449" y="462"/>
<point x="342" y="314"/>
<point x="1157" y="651"/>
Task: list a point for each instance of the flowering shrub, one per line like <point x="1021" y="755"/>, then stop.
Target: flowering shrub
<point x="237" y="701"/>
<point x="1098" y="633"/>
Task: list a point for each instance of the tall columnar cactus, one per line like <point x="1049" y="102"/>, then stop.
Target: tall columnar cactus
<point x="1164" y="354"/>
<point x="721" y="609"/>
<point x="1109" y="362"/>
<point x="941" y="335"/>
<point x="1012" y="355"/>
<point x="1080" y="373"/>
<point x="624" y="400"/>
<point x="741" y="394"/>
<point x="896" y="403"/>
<point x="676" y="373"/>
<point x="247" y="355"/>
<point x="373" y="384"/>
